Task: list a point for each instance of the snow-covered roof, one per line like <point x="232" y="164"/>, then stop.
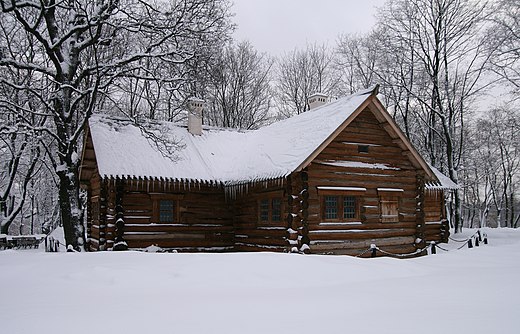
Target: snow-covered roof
<point x="218" y="155"/>
<point x="444" y="182"/>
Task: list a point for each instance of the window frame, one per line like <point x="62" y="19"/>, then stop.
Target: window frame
<point x="341" y="193"/>
<point x="269" y="198"/>
<point x="156" y="207"/>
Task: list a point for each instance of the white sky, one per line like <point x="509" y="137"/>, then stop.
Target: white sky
<point x="278" y="26"/>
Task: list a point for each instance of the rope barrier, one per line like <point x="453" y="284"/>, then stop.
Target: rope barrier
<point x="477" y="236"/>
<point x="368" y="250"/>
<point x="455" y="240"/>
<point x="441" y="248"/>
<point x="466" y="240"/>
<point x="464" y="244"/>
<point x="418" y="251"/>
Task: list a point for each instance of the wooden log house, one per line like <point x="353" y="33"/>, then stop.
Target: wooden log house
<point x="333" y="180"/>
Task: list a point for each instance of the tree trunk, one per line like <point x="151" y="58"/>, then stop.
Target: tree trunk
<point x="70" y="209"/>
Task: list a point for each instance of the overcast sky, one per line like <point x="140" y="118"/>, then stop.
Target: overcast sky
<point x="278" y="26"/>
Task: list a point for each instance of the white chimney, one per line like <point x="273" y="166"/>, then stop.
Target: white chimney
<point x="317" y="100"/>
<point x="195" y="107"/>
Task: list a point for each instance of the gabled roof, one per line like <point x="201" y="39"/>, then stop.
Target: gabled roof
<point x="230" y="156"/>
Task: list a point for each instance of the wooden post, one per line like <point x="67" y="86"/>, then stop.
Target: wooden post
<point x="374" y="250"/>
<point x="111" y="213"/>
<point x="294" y="214"/>
<point x="470" y="243"/>
<point x="120" y="243"/>
<point x="304" y="205"/>
<point x="434" y="250"/>
<point x="89" y="218"/>
<point x="103" y="210"/>
<point x="419" y="210"/>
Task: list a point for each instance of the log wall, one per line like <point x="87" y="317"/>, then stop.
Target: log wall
<point x="436" y="225"/>
<point x="385" y="165"/>
<point x="250" y="233"/>
<point x="203" y="219"/>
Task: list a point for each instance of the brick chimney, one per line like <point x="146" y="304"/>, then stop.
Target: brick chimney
<point x="317" y="100"/>
<point x="195" y="107"/>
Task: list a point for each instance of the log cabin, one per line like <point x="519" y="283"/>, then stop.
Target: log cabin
<point x="334" y="180"/>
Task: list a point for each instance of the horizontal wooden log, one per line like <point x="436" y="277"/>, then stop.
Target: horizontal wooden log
<point x="174" y="243"/>
<point x="361" y="234"/>
<point x="262" y="233"/>
<point x="322" y="246"/>
<point x="322" y="226"/>
<point x="243" y="247"/>
<point x="261" y="241"/>
<point x="171" y="228"/>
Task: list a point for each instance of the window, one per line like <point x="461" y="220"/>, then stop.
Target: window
<point x="389" y="204"/>
<point x="349" y="207"/>
<point x="276" y="210"/>
<point x="340" y="203"/>
<point x="166" y="211"/>
<point x="340" y="207"/>
<point x="270" y="210"/>
<point x="389" y="209"/>
<point x="362" y="148"/>
<point x="264" y="210"/>
<point x="331" y="207"/>
<point x="166" y="208"/>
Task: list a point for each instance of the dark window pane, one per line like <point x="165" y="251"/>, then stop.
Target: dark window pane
<point x="349" y="207"/>
<point x="362" y="148"/>
<point x="276" y="214"/>
<point x="264" y="210"/>
<point x="331" y="207"/>
<point x="166" y="211"/>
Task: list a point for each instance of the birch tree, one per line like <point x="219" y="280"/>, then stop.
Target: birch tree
<point x="77" y="60"/>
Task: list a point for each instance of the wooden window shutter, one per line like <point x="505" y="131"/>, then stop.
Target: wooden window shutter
<point x="389" y="209"/>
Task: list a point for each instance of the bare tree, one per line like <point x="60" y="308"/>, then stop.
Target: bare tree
<point x="442" y="37"/>
<point x="239" y="93"/>
<point x="504" y="37"/>
<point x="76" y="60"/>
<point x="494" y="166"/>
<point x="302" y="73"/>
<point x="356" y="60"/>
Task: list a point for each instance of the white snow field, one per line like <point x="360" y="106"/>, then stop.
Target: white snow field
<point x="466" y="291"/>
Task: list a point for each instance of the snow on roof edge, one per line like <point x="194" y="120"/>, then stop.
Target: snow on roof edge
<point x="444" y="182"/>
<point x="206" y="159"/>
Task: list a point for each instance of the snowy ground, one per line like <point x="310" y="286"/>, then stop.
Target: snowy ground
<point x="467" y="291"/>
